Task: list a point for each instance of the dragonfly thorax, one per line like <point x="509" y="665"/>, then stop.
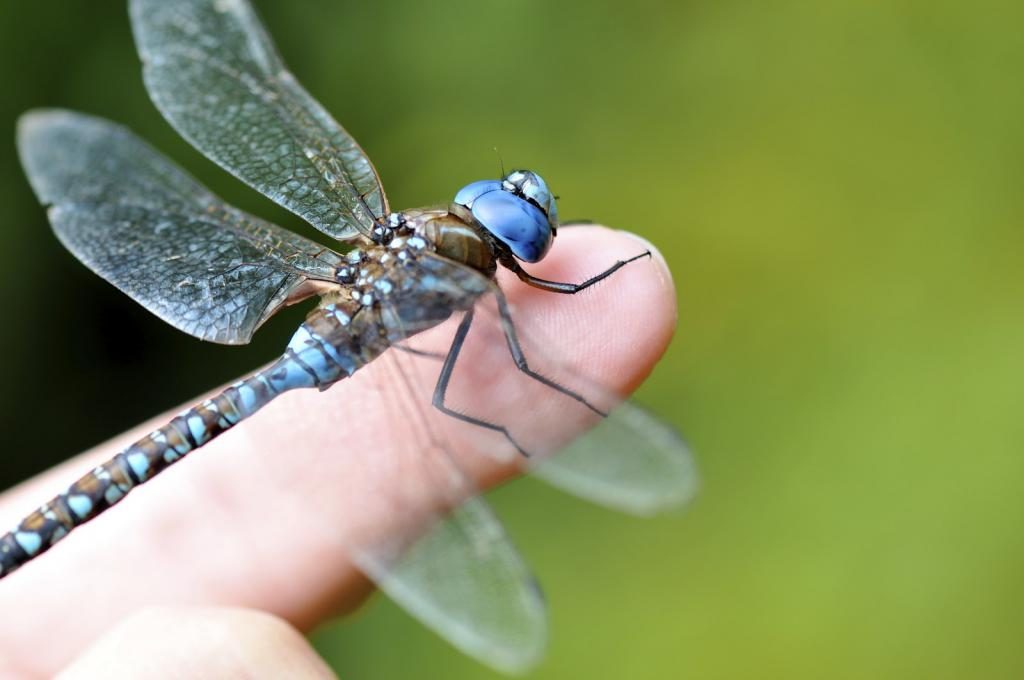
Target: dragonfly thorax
<point x="518" y="211"/>
<point x="452" y="233"/>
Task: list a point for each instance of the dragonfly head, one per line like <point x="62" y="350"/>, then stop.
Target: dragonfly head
<point x="518" y="210"/>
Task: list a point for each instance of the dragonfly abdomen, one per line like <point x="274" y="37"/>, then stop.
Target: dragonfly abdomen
<point x="324" y="350"/>
<point x="107" y="484"/>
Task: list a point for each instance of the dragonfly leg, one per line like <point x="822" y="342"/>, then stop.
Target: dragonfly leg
<point x="420" y="352"/>
<point x="567" y="288"/>
<point x="441" y="388"/>
<point x="520" y="357"/>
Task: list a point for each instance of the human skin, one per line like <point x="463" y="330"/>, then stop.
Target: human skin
<point x="229" y="538"/>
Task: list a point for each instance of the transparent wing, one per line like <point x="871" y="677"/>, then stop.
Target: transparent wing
<point x="460" y="574"/>
<point x="630" y="461"/>
<point x="213" y="72"/>
<point x="465" y="580"/>
<point x="448" y="560"/>
<point x="144" y="225"/>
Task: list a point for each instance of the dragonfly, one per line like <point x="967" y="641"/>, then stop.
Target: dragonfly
<point x="217" y="273"/>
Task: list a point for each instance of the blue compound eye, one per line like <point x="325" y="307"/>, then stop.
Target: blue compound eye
<point x="517" y="223"/>
<point x="469" y="193"/>
<point x="518" y="210"/>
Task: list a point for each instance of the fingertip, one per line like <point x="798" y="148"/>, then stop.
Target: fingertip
<point x="583" y="250"/>
<point x="625" y="322"/>
<point x="657" y="258"/>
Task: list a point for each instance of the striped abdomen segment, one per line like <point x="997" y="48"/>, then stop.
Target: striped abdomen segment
<point x="323" y="351"/>
<point x="107" y="484"/>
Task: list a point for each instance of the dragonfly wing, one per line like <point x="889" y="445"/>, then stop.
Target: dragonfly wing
<point x="631" y="461"/>
<point x="147" y="227"/>
<point x="213" y="72"/>
<point x="433" y="545"/>
<point x="465" y="580"/>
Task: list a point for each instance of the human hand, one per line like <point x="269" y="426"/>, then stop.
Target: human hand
<point x="234" y="526"/>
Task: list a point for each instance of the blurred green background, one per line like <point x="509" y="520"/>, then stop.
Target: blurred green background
<point x="836" y="187"/>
